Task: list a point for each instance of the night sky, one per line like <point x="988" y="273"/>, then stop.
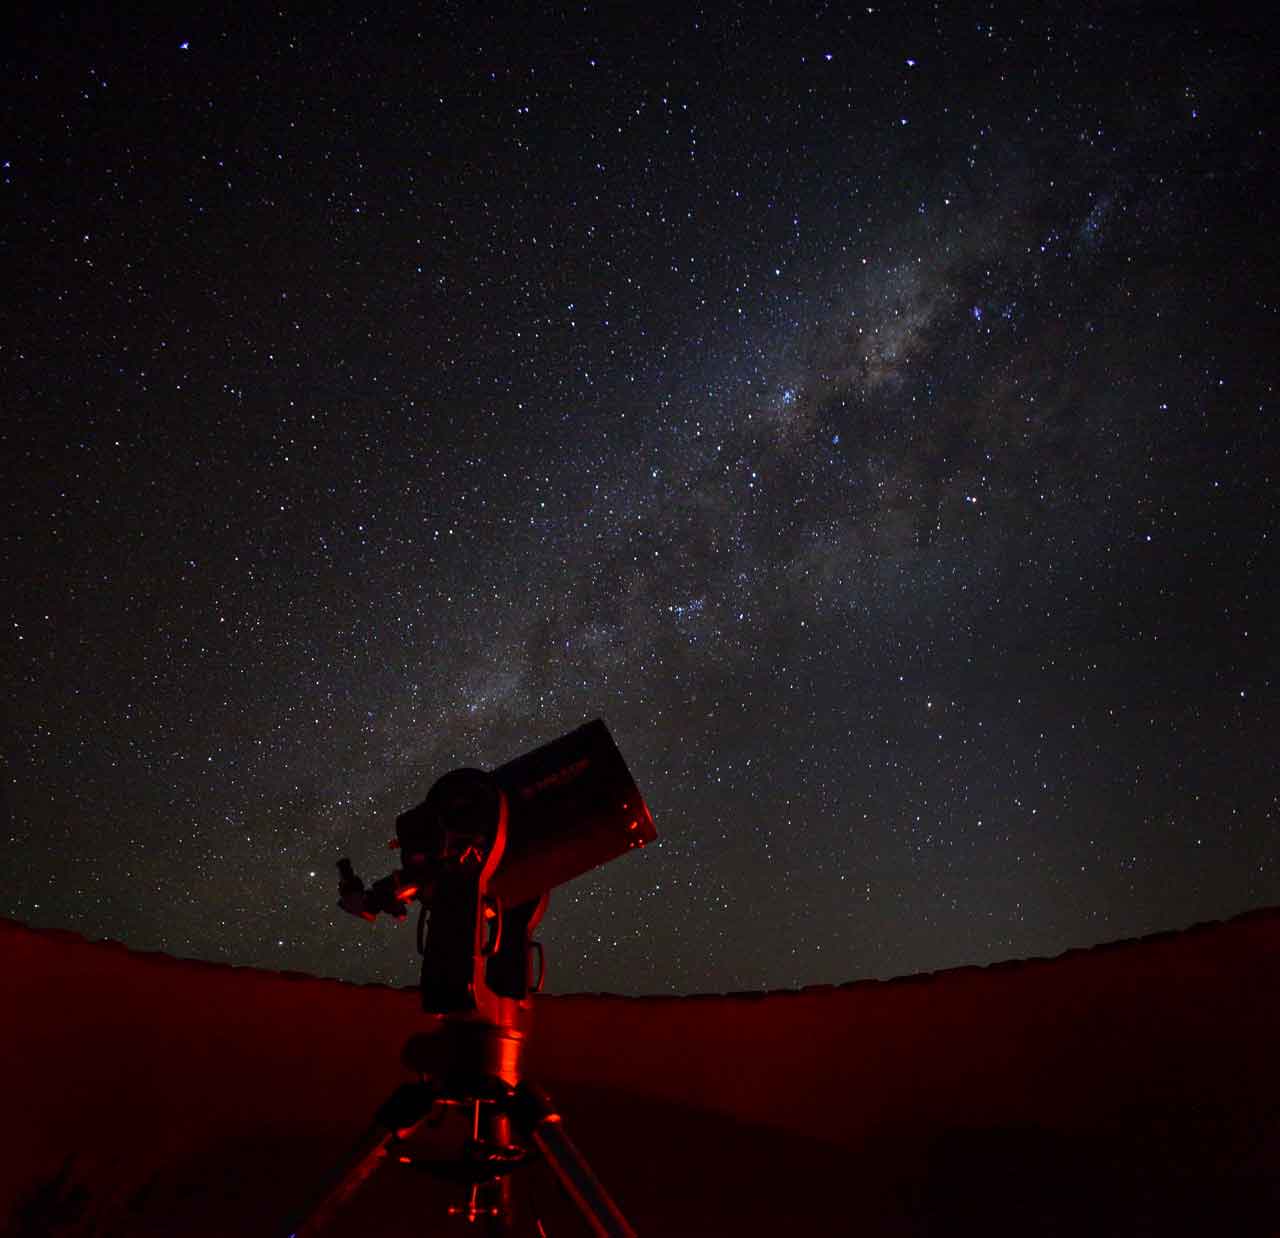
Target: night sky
<point x="871" y="415"/>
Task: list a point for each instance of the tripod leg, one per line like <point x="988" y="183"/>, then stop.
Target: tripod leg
<point x="397" y="1117"/>
<point x="365" y="1157"/>
<point x="571" y="1168"/>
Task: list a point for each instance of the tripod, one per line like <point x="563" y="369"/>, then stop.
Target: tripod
<point x="510" y="1119"/>
<point x="575" y="806"/>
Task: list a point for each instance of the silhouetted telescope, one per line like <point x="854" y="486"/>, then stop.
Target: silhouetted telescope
<point x="484" y="849"/>
<point x="482" y="854"/>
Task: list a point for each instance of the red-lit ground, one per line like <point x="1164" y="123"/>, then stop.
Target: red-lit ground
<point x="1129" y="1090"/>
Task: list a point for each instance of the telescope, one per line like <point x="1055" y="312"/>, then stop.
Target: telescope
<point x="483" y="850"/>
<point x="481" y="855"/>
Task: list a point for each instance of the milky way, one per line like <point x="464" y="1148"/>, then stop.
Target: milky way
<point x="872" y="419"/>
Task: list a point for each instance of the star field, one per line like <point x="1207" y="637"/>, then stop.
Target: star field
<point x="872" y="417"/>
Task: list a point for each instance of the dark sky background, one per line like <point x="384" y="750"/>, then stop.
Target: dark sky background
<point x="871" y="415"/>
